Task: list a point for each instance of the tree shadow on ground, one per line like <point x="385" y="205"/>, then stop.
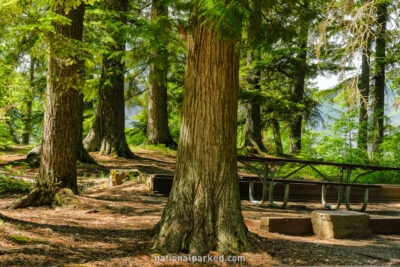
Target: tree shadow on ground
<point x="380" y="252"/>
<point x="103" y="245"/>
<point x="113" y="243"/>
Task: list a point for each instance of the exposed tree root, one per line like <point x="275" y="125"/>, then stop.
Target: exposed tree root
<point x="125" y="152"/>
<point x="255" y="148"/>
<point x="226" y="234"/>
<point x="84" y="156"/>
<point x="171" y="144"/>
<point x="128" y="154"/>
<point x="33" y="156"/>
<point x="38" y="196"/>
<point x="118" y="147"/>
<point x="92" y="141"/>
<point x="45" y="195"/>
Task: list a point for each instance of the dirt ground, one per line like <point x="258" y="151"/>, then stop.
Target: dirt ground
<point x="113" y="226"/>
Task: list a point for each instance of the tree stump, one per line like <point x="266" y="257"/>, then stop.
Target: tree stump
<point x="117" y="176"/>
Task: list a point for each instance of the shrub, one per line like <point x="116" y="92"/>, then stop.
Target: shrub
<point x="12" y="185"/>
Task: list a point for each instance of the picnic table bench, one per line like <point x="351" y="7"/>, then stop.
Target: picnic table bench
<point x="268" y="180"/>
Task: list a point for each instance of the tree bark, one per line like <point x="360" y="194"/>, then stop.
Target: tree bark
<point x="157" y="122"/>
<point x="203" y="212"/>
<point x="92" y="140"/>
<point x="362" y="141"/>
<point x="27" y="127"/>
<point x="109" y="123"/>
<point x="33" y="156"/>
<point x="380" y="65"/>
<point x="253" y="138"/>
<point x="298" y="94"/>
<point x="277" y="136"/>
<point x="83" y="155"/>
<point x="62" y="117"/>
<point x="10" y="125"/>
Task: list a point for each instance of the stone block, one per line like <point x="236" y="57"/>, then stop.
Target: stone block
<point x="340" y="224"/>
<point x="287" y="225"/>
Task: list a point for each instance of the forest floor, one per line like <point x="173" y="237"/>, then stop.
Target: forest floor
<point x="113" y="226"/>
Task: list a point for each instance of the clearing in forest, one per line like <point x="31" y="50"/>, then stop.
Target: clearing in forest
<point x="113" y="226"/>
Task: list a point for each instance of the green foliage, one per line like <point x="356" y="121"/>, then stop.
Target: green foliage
<point x="160" y="149"/>
<point x="338" y="143"/>
<point x="5" y="138"/>
<point x="330" y="30"/>
<point x="156" y="35"/>
<point x="225" y="16"/>
<point x="12" y="185"/>
<point x="69" y="4"/>
<point x="135" y="136"/>
<point x="22" y="41"/>
<point x="25" y="239"/>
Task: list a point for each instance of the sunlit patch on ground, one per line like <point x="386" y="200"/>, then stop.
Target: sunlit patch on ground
<point x="113" y="227"/>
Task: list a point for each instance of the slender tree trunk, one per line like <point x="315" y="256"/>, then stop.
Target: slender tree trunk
<point x="27" y="127"/>
<point x="253" y="137"/>
<point x="298" y="94"/>
<point x="203" y="212"/>
<point x="157" y="122"/>
<point x="10" y="126"/>
<point x="380" y="65"/>
<point x="277" y="137"/>
<point x="362" y="141"/>
<point x="109" y="124"/>
<point x="61" y="133"/>
<point x="83" y="155"/>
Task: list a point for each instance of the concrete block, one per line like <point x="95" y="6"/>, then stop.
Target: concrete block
<point x="340" y="224"/>
<point x="287" y="225"/>
<point x="252" y="223"/>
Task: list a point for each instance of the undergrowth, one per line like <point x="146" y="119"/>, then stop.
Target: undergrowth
<point x="12" y="185"/>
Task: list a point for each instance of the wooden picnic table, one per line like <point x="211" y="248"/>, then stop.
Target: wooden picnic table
<point x="269" y="181"/>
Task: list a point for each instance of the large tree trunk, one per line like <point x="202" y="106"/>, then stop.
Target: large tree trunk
<point x="203" y="212"/>
<point x="109" y="123"/>
<point x="380" y="65"/>
<point x="253" y="138"/>
<point x="27" y="120"/>
<point x="157" y="122"/>
<point x="362" y="141"/>
<point x="62" y="117"/>
<point x="33" y="156"/>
